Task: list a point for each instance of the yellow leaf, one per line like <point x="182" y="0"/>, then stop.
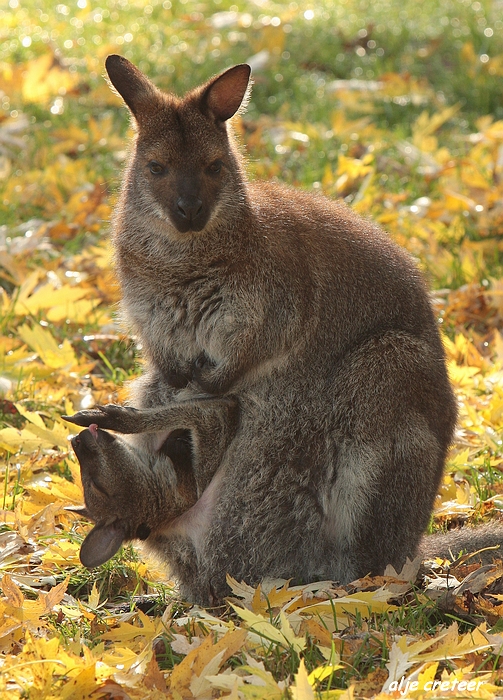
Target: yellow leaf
<point x="54" y="596"/>
<point x="12" y="592"/>
<point x="461" y="376"/>
<point x="241" y="589"/>
<point x="274" y="598"/>
<point x="125" y="658"/>
<point x="29" y="440"/>
<point x="80" y="311"/>
<point x="284" y="636"/>
<point x="154" y="678"/>
<point x="93" y="600"/>
<point x="28" y="286"/>
<point x="259" y="684"/>
<point x="8" y="625"/>
<point x="296" y="643"/>
<point x="322" y="672"/>
<point x="44" y="78"/>
<point x="80" y="687"/>
<point x="199" y="683"/>
<point x="55" y="437"/>
<point x="61" y="553"/>
<point x="198" y="659"/>
<point x="364" y="603"/>
<point x="302" y="688"/>
<point x="49" y="297"/>
<point x="427" y="124"/>
<point x="126" y="632"/>
<point x="42" y="341"/>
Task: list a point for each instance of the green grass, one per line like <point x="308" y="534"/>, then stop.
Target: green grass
<point x="449" y="53"/>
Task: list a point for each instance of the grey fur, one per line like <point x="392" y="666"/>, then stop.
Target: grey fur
<point x="316" y="323"/>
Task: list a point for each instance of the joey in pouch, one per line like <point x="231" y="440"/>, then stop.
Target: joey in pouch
<point x="308" y="318"/>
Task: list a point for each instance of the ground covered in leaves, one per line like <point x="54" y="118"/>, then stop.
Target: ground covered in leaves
<point x="399" y="112"/>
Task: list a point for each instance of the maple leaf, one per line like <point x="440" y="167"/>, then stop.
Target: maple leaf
<point x="282" y="635"/>
<point x="191" y="674"/>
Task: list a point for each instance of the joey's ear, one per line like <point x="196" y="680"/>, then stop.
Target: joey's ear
<point x="132" y="85"/>
<point x="101" y="544"/>
<point x="227" y="92"/>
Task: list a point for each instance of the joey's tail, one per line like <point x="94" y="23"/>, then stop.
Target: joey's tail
<point x="465" y="539"/>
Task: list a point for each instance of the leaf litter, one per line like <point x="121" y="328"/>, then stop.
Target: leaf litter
<point x="63" y="633"/>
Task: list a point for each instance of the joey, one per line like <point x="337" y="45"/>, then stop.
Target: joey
<point x="132" y="496"/>
<point x="109" y="484"/>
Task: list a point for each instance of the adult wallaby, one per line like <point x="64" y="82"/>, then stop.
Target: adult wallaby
<point x="310" y="317"/>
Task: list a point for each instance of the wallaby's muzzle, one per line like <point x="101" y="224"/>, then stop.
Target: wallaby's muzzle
<point x="190" y="210"/>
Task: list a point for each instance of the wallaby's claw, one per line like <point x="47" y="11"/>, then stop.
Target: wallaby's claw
<point x="84" y="418"/>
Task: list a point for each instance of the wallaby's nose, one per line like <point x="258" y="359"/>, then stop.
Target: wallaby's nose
<point x="189" y="207"/>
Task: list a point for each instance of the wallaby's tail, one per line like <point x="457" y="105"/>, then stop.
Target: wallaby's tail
<point x="467" y="540"/>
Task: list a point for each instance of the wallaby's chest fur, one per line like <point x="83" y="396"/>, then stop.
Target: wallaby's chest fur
<point x="297" y="267"/>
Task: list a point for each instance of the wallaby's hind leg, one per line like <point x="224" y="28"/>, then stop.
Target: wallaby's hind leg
<point x="355" y="491"/>
<point x="398" y="414"/>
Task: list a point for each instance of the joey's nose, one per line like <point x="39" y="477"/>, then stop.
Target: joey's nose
<point x="189" y="207"/>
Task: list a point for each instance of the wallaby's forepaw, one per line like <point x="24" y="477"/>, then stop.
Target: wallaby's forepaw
<point x="122" y="419"/>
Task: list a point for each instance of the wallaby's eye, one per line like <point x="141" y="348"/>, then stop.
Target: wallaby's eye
<point x="215" y="167"/>
<point x="155" y="168"/>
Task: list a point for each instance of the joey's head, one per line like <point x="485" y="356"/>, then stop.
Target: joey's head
<point x="109" y="495"/>
<point x="185" y="168"/>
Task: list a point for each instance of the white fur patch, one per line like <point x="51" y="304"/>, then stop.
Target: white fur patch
<point x="358" y="466"/>
<point x="195" y="522"/>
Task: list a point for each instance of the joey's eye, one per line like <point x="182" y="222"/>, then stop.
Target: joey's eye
<point x="215" y="167"/>
<point x="155" y="168"/>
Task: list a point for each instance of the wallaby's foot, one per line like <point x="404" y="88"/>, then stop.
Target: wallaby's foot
<point x="122" y="419"/>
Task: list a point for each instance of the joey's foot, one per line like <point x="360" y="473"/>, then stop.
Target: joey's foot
<point x="122" y="419"/>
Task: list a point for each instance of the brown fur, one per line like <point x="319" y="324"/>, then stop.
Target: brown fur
<point x="316" y="323"/>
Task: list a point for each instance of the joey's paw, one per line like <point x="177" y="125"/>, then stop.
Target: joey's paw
<point x="122" y="419"/>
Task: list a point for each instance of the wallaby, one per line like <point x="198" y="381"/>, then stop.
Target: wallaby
<point x="309" y="317"/>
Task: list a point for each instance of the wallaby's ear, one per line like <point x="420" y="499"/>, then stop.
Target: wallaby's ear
<point x="227" y="92"/>
<point x="101" y="544"/>
<point x="132" y="85"/>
